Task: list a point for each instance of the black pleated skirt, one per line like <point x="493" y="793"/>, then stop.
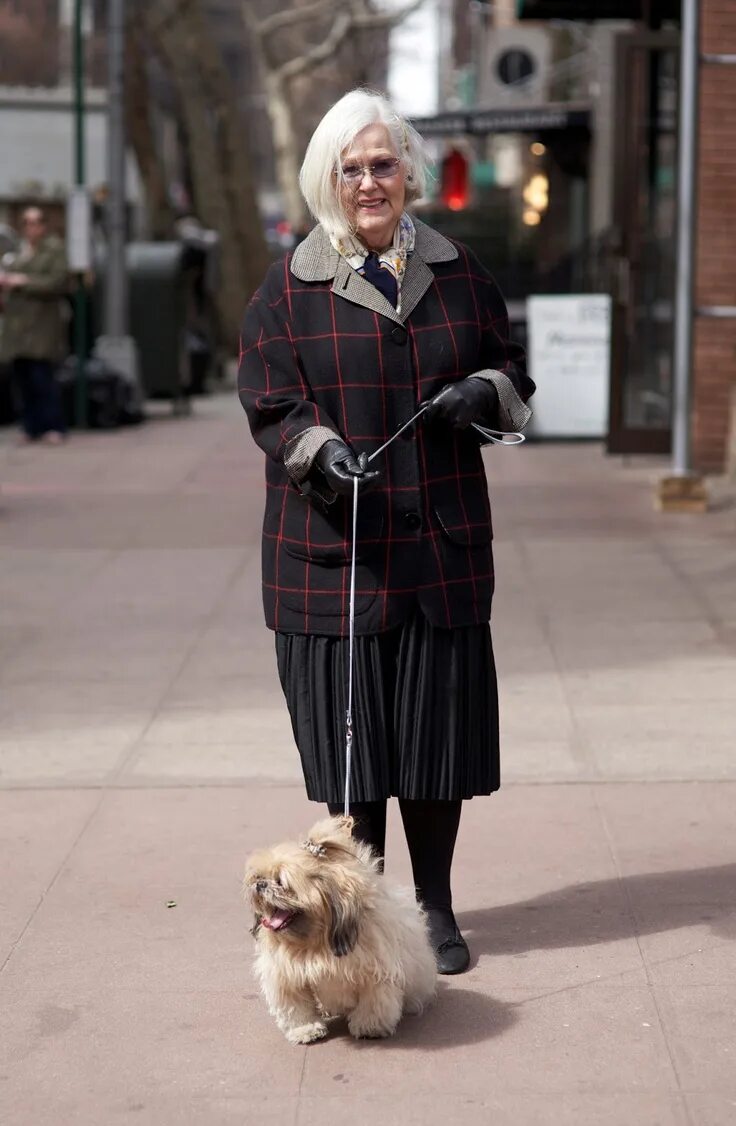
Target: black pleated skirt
<point x="425" y="712"/>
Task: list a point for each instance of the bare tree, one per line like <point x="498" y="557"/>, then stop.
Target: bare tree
<point x="28" y="43"/>
<point x="139" y="124"/>
<point x="222" y="181"/>
<point x="331" y="22"/>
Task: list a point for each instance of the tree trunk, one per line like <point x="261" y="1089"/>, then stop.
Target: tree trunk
<point x="222" y="183"/>
<point x="285" y="148"/>
<point x="140" y="131"/>
<point x="342" y="30"/>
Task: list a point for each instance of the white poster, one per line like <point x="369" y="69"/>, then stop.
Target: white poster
<point x="569" y="340"/>
<point x="79" y="230"/>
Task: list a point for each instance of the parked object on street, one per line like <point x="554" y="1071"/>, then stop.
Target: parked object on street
<point x="335" y="936"/>
<point x="111" y="401"/>
<point x="170" y="316"/>
<point x="34" y="284"/>
<point x="200" y="265"/>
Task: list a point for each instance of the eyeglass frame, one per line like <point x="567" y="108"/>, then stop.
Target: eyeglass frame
<point x="361" y="170"/>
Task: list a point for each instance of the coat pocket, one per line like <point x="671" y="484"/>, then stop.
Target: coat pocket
<point x="322" y="590"/>
<point x="462" y="529"/>
<point x="315" y="536"/>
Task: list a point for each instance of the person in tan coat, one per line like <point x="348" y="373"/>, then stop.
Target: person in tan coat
<point x="34" y="328"/>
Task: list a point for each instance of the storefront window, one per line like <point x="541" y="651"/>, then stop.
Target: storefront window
<point x="525" y="214"/>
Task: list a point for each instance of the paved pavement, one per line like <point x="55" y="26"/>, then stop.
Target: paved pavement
<point x="144" y="750"/>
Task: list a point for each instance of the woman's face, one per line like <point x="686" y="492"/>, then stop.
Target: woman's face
<point x="373" y="206"/>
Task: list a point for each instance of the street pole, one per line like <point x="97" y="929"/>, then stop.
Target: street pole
<point x="116" y="290"/>
<point x="80" y="297"/>
<point x="116" y="347"/>
<point x="683" y="489"/>
<point x="685" y="234"/>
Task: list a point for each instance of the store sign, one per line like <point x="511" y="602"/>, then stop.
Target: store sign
<point x="569" y="339"/>
<point x="510" y="120"/>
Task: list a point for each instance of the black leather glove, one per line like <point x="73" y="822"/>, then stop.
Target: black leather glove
<point x="460" y="404"/>
<point x="339" y="467"/>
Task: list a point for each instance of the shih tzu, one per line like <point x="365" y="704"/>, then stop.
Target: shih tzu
<point x="335" y="938"/>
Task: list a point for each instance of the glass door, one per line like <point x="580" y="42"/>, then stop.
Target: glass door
<point x="644" y="249"/>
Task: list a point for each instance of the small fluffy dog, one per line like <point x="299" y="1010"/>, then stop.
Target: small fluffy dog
<point x="335" y="938"/>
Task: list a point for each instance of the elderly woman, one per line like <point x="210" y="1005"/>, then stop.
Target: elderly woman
<point x="372" y="315"/>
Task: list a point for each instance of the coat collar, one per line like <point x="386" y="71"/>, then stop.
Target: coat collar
<point x="315" y="259"/>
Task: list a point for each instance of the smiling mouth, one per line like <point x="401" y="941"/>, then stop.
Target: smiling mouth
<point x="279" y="920"/>
<point x="371" y="204"/>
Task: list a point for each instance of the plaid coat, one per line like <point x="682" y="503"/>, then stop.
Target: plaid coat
<point x="323" y="353"/>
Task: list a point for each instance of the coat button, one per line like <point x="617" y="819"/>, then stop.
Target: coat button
<point x="412" y="521"/>
<point x="399" y="335"/>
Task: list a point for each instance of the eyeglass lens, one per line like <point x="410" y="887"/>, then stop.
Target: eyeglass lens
<point x="379" y="170"/>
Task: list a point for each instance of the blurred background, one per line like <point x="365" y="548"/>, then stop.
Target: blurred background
<point x="145" y="747"/>
<point x="553" y="129"/>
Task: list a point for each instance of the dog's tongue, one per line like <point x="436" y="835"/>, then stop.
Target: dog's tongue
<point x="277" y="920"/>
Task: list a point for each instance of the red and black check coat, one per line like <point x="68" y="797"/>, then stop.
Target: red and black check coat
<point x="323" y="348"/>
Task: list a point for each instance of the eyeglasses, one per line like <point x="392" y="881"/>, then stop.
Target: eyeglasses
<point x="379" y="170"/>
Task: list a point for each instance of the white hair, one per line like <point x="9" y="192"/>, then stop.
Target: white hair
<point x="335" y="133"/>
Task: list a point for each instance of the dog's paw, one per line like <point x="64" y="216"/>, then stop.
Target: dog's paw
<point x="370" y="1030"/>
<point x="307" y="1033"/>
<point x="415" y="1006"/>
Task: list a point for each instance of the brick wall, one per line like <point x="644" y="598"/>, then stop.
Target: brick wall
<point x="715" y="280"/>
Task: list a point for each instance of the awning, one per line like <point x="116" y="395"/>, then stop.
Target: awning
<point x="597" y="9"/>
<point x="512" y="119"/>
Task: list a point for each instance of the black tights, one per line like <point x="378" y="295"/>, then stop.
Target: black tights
<point x="431" y="829"/>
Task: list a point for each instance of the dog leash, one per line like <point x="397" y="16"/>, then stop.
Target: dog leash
<point x="497" y="436"/>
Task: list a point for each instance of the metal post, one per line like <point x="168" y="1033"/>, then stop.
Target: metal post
<point x="684" y="490"/>
<point x="685" y="236"/>
<point x="116" y="282"/>
<point x="80" y="297"/>
<point x="115" y="346"/>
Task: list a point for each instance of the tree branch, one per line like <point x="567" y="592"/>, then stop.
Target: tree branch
<point x="286" y="18"/>
<point x="351" y="20"/>
<point x="385" y="19"/>
<point x="316" y="55"/>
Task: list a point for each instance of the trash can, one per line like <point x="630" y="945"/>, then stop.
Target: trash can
<point x="157" y="317"/>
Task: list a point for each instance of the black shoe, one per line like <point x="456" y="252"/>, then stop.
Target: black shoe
<point x="453" y="956"/>
<point x="450" y="948"/>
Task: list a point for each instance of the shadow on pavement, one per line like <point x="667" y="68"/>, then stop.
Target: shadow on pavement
<point x="607" y="910"/>
<point x="456" y="1016"/>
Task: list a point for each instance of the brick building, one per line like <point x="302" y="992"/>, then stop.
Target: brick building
<point x="715" y="282"/>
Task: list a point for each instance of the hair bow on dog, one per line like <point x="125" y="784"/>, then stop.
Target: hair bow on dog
<point x="315" y="849"/>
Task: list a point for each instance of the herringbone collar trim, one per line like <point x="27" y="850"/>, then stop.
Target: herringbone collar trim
<point x="315" y="259"/>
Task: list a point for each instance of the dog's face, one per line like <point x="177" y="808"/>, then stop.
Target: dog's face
<point x="311" y="895"/>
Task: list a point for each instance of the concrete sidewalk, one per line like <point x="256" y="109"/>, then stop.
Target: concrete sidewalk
<point x="144" y="749"/>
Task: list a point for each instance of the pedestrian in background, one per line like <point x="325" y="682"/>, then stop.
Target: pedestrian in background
<point x="34" y="338"/>
<point x="373" y="314"/>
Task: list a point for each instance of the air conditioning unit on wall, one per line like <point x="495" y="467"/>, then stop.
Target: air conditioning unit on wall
<point x="515" y="66"/>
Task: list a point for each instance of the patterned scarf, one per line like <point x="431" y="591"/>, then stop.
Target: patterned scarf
<point x="393" y="260"/>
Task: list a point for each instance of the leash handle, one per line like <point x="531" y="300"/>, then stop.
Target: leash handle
<point x="500" y="436"/>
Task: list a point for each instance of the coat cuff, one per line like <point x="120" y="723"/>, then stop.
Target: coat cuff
<point x="300" y="452"/>
<point x="513" y="413"/>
